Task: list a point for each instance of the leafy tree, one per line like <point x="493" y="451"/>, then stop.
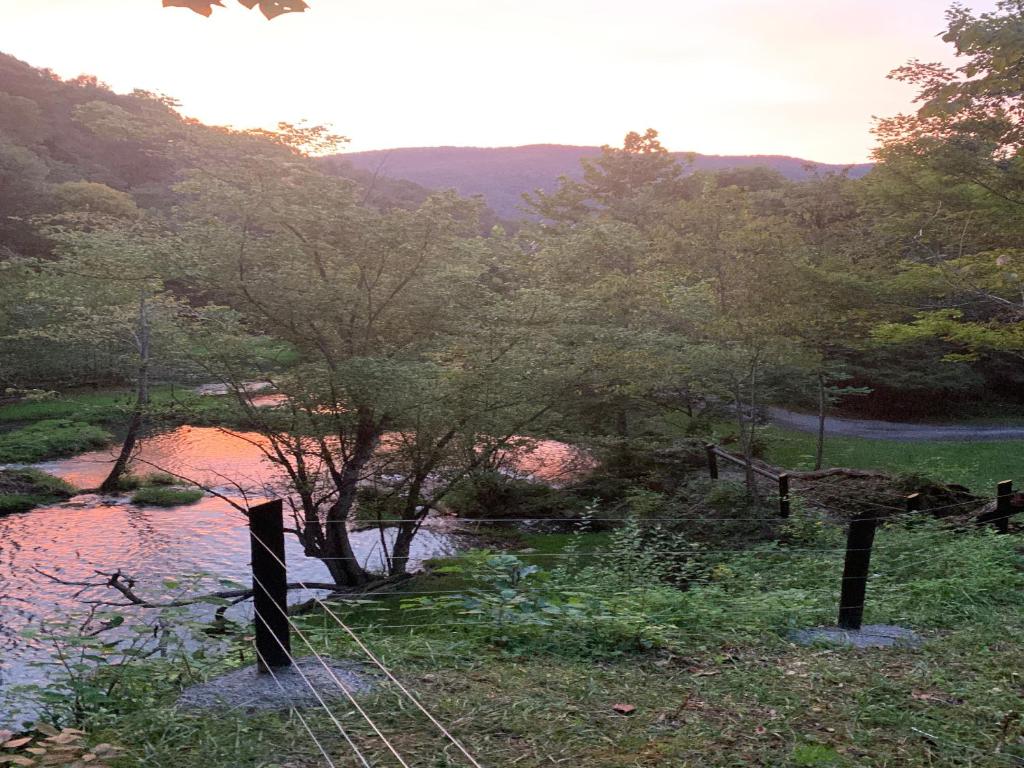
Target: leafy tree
<point x="107" y="288"/>
<point x="961" y="152"/>
<point x="412" y="369"/>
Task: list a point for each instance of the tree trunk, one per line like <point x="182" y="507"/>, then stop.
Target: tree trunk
<point x="337" y="552"/>
<point x="399" y="562"/>
<point x="142" y="336"/>
<point x="819" y="452"/>
<point x="745" y="441"/>
<point x="412" y="514"/>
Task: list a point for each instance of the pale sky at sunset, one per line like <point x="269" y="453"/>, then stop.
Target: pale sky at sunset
<point x="796" y="77"/>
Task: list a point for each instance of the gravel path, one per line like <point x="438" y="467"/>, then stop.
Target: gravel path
<point x="893" y="430"/>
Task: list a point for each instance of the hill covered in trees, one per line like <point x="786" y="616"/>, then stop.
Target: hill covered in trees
<point x="501" y="175"/>
<point x="56" y="132"/>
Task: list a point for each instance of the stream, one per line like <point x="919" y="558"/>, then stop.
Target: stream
<point x="73" y="539"/>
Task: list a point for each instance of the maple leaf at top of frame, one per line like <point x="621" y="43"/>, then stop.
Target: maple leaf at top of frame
<point x="270" y="8"/>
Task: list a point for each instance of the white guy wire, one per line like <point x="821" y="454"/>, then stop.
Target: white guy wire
<point x="295" y="711"/>
<point x="316" y="693"/>
<point x="327" y="668"/>
<point x="382" y="668"/>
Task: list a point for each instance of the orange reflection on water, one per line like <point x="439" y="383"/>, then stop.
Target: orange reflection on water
<point x="220" y="458"/>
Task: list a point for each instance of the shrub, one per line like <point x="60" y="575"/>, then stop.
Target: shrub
<point x="159" y="478"/>
<point x="154" y="496"/>
<point x="494" y="495"/>
<point x="50" y="438"/>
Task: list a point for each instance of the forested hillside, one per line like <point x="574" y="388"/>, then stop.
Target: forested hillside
<point x="872" y="244"/>
<point x="503" y="174"/>
<point x="48" y="140"/>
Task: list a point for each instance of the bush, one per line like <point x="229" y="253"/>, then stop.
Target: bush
<point x="494" y="495"/>
<point x="50" y="438"/>
<point x="154" y="496"/>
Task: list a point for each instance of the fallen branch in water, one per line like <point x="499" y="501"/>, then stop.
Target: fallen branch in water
<point x="125" y="585"/>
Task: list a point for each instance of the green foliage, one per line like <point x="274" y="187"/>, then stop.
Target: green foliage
<point x="50" y="438"/>
<point x="90" y="197"/>
<point x="161" y="496"/>
<point x="535" y="650"/>
<point x="492" y="494"/>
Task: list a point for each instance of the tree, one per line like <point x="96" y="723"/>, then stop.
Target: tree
<point x="961" y="154"/>
<point x="628" y="184"/>
<point x="412" y="368"/>
<point x="105" y="287"/>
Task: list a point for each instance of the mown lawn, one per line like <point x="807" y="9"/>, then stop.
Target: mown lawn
<point x="977" y="465"/>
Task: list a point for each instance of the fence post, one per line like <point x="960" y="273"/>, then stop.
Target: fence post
<point x="859" y="539"/>
<point x="270" y="585"/>
<point x="712" y="460"/>
<point x="784" y="495"/>
<point x="914" y="502"/>
<point x="1004" y="502"/>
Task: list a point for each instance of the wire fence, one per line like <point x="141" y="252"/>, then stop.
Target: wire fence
<point x="853" y="559"/>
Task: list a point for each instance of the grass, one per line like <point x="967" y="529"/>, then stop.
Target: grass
<point x="112" y="406"/>
<point x="163" y="496"/>
<point x="977" y="465"/>
<point x="723" y="687"/>
<point x="24" y="489"/>
<point x="135" y="482"/>
<point x="50" y="438"/>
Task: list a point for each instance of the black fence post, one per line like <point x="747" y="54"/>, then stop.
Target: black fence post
<point x="1004" y="504"/>
<point x="859" y="540"/>
<point x="270" y="585"/>
<point x="712" y="460"/>
<point x="784" y="495"/>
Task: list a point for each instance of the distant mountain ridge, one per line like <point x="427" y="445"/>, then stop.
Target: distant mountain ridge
<point x="502" y="174"/>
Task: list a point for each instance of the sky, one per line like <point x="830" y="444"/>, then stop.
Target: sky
<point x="793" y="77"/>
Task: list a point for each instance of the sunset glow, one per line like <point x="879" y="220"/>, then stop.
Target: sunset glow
<point x="797" y="77"/>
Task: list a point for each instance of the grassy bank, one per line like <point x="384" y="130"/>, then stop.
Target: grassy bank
<point x="168" y="403"/>
<point x="34" y="430"/>
<point x="50" y="438"/>
<point x="23" y="489"/>
<point x="711" y="672"/>
<point x="977" y="465"/>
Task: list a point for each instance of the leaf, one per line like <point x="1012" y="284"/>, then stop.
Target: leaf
<point x="270" y="8"/>
<point x="15" y="743"/>
<point x="274" y="8"/>
<point x="624" y="709"/>
<point x="202" y="7"/>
